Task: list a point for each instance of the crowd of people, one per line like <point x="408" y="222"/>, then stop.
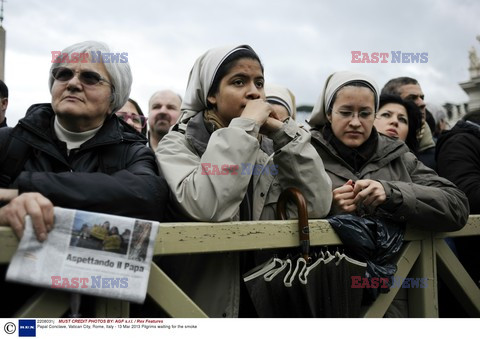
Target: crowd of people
<point x="367" y="151"/>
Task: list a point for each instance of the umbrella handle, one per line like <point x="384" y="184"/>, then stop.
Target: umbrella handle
<point x="295" y="195"/>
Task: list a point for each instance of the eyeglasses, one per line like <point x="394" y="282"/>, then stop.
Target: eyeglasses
<point x="89" y="78"/>
<point x="363" y="115"/>
<point x="138" y="120"/>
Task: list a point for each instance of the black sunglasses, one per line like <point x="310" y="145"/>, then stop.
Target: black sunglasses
<point x="86" y="77"/>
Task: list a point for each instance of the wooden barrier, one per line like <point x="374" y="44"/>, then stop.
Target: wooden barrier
<point x="423" y="254"/>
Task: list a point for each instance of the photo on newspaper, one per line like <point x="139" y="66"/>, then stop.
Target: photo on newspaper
<point x="91" y="253"/>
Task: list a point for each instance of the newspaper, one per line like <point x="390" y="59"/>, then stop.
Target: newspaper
<point x="91" y="253"/>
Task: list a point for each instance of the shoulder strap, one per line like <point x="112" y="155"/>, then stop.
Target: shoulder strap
<point x="13" y="157"/>
<point x="180" y="127"/>
<point x="112" y="158"/>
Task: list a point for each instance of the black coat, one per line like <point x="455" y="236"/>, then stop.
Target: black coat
<point x="77" y="180"/>
<point x="458" y="159"/>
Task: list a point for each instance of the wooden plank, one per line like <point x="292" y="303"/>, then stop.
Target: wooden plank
<point x="458" y="280"/>
<point x="8" y="244"/>
<point x="179" y="238"/>
<point x="472" y="228"/>
<point x="170" y="297"/>
<point x="176" y="238"/>
<point x="45" y="304"/>
<point x="423" y="302"/>
<point x="408" y="255"/>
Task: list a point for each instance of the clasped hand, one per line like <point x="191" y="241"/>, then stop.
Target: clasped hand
<point x="263" y="114"/>
<point x="349" y="197"/>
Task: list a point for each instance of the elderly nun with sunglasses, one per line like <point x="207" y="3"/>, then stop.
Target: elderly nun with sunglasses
<point x="228" y="158"/>
<point x="372" y="172"/>
<point x="74" y="152"/>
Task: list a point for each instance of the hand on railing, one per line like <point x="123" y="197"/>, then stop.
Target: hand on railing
<point x="39" y="208"/>
<point x="8" y="194"/>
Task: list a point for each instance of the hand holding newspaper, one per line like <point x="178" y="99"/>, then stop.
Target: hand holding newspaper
<point x="91" y="253"/>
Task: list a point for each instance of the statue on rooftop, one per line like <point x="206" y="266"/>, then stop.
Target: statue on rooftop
<point x="474" y="61"/>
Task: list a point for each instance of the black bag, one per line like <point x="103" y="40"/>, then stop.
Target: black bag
<point x="374" y="240"/>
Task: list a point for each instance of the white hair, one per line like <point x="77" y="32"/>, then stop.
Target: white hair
<point x="438" y="112"/>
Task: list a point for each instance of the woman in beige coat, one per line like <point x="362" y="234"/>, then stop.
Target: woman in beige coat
<point x="229" y="158"/>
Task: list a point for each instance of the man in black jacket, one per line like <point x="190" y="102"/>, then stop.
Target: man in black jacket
<point x="458" y="160"/>
<point x="78" y="154"/>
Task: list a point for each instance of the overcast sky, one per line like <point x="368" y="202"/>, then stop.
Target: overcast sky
<point x="300" y="42"/>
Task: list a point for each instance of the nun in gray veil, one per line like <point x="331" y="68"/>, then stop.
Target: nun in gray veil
<point x="228" y="158"/>
<point x="282" y="100"/>
<point x="371" y="173"/>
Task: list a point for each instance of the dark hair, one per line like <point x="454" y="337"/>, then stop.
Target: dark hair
<point x="472" y="116"/>
<point x="227" y="65"/>
<point x="139" y="110"/>
<point x="3" y="90"/>
<point x="414" y="118"/>
<point x="393" y="85"/>
<point x="355" y="83"/>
